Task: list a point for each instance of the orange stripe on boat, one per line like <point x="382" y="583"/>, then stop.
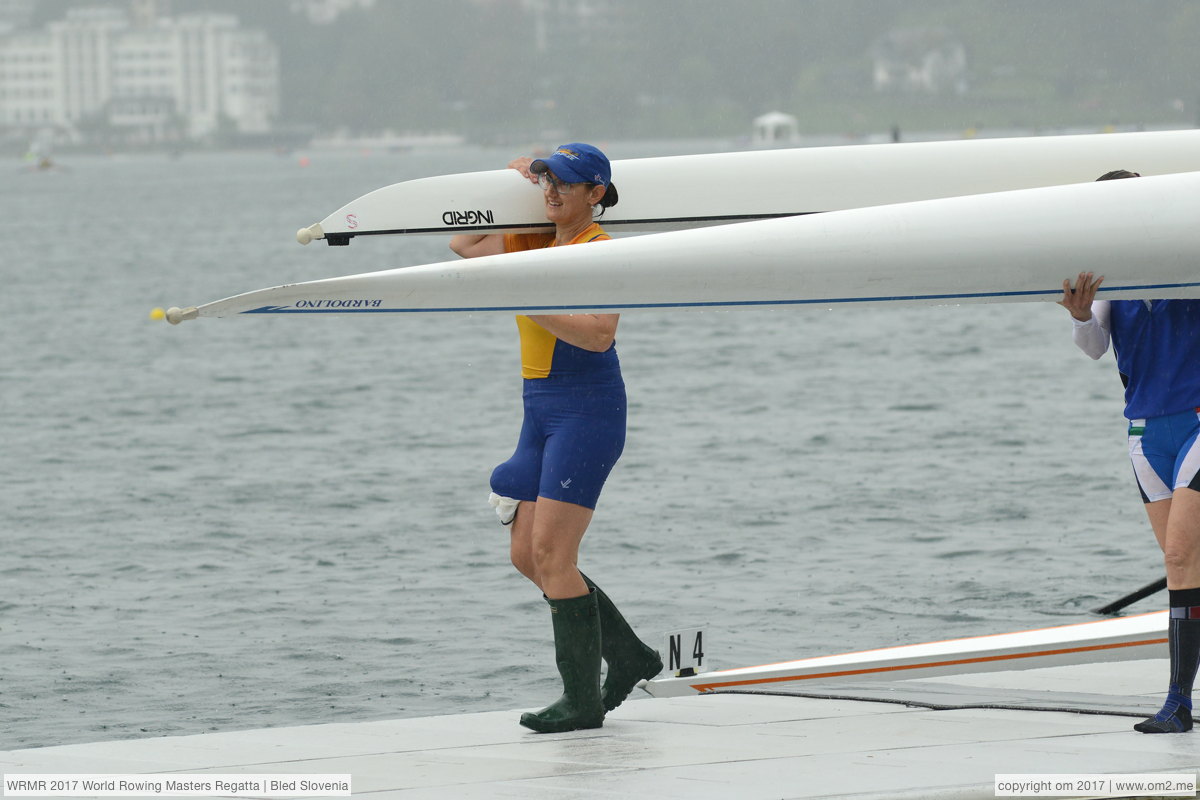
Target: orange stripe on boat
<point x="706" y="687"/>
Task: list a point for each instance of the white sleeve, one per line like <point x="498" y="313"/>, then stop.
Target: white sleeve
<point x="1092" y="337"/>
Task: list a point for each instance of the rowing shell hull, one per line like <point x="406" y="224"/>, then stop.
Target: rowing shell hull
<point x="1125" y="639"/>
<point x="678" y="192"/>
<point x="1009" y="246"/>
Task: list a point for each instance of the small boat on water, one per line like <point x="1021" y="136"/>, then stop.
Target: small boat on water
<point x="41" y="163"/>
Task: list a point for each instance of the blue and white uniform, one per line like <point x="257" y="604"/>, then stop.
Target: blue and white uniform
<point x="1157" y="345"/>
<point x="575" y="410"/>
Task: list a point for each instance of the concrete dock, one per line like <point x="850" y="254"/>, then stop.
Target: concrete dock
<point x="927" y="738"/>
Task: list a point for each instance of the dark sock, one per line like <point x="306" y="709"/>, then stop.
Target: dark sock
<point x="1185" y="644"/>
<point x="1183" y="640"/>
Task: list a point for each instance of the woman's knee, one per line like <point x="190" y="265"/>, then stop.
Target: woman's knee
<point x="1181" y="551"/>
<point x="549" y="556"/>
<point x="554" y="537"/>
<point x="1181" y="555"/>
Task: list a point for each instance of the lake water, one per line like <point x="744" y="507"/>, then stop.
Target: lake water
<point x="246" y="523"/>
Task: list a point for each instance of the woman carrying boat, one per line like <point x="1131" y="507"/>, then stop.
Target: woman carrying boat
<point x="1157" y="345"/>
<point x="572" y="434"/>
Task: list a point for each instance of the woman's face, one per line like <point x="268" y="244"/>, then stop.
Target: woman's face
<point x="568" y="203"/>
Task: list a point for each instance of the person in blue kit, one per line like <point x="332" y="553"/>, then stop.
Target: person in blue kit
<point x="572" y="434"/>
<point x="1157" y="345"/>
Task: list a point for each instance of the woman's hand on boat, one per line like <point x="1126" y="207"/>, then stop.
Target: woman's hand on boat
<point x="521" y="165"/>
<point x="1078" y="299"/>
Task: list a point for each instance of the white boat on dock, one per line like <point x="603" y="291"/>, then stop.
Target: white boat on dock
<point x="1122" y="639"/>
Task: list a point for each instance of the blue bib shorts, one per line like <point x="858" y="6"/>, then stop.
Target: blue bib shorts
<point x="1164" y="453"/>
<point x="572" y="435"/>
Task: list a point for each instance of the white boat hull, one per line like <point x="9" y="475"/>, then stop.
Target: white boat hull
<point x="678" y="192"/>
<point x="1003" y="247"/>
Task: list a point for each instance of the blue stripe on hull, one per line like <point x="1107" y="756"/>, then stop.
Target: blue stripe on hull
<point x="706" y="304"/>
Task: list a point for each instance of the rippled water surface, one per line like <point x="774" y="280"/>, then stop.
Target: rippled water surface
<point x="246" y="523"/>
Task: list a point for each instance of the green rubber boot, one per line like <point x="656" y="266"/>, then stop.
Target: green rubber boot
<point x="577" y="651"/>
<point x="629" y="659"/>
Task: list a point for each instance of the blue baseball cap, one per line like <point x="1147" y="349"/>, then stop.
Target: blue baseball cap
<point x="576" y="163"/>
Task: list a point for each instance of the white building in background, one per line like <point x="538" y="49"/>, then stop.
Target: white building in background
<point x="323" y="12"/>
<point x="157" y="79"/>
<point x="928" y="60"/>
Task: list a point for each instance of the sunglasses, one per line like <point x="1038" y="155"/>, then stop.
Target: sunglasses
<point x="548" y="181"/>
